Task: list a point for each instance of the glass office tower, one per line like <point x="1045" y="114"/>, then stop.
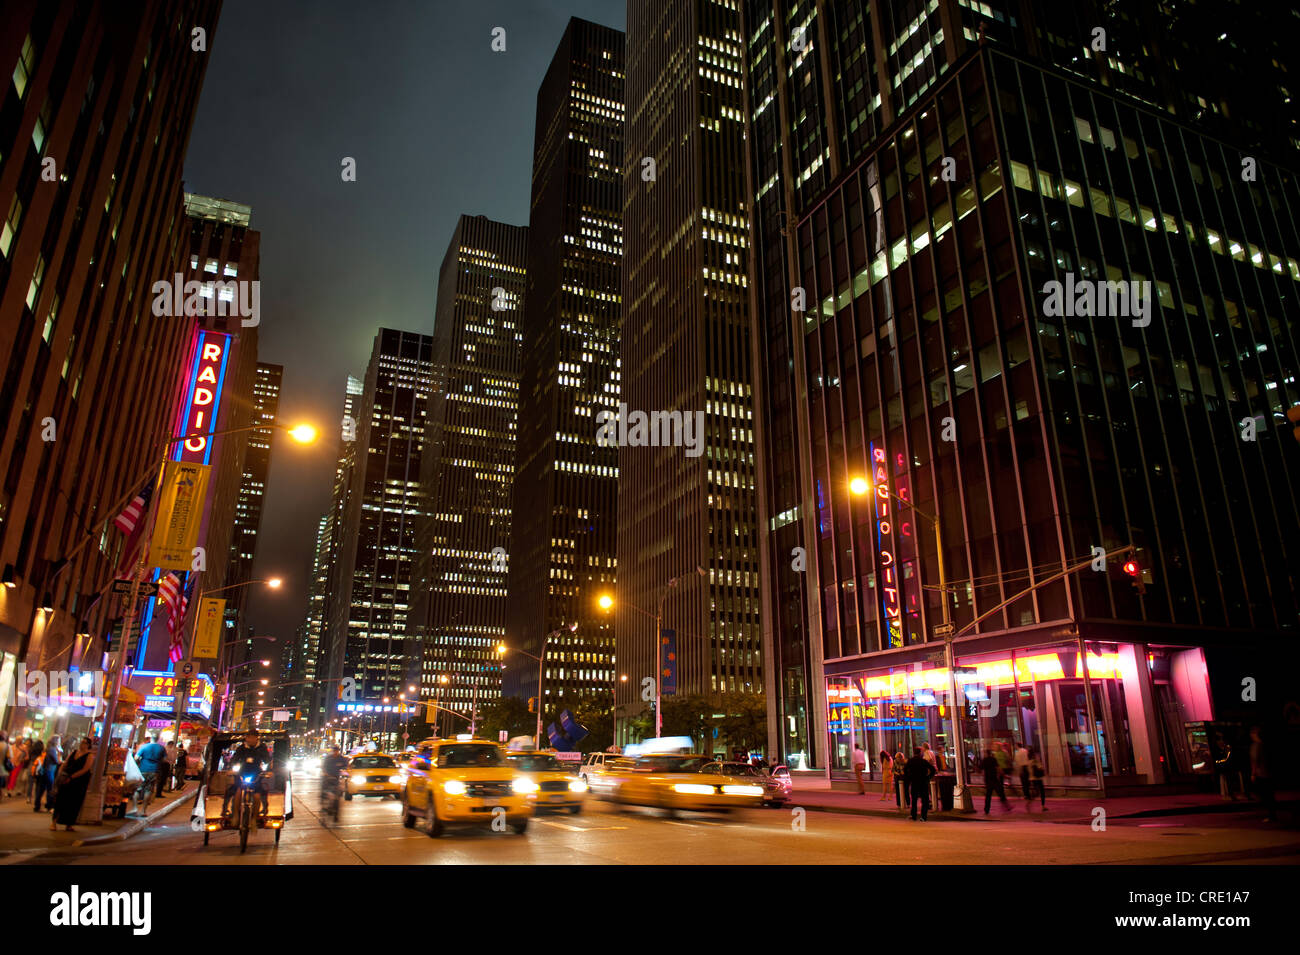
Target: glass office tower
<point x="942" y="372"/>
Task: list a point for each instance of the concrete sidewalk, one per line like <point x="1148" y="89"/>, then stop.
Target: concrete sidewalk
<point x="24" y="831"/>
<point x="1071" y="809"/>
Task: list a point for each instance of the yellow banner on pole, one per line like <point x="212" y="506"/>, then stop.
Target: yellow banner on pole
<point x="238" y="713"/>
<point x="180" y="512"/>
<point x="207" y="636"/>
<point x="430" y="714"/>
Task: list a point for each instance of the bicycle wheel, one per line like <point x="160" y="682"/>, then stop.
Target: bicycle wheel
<point x="245" y="824"/>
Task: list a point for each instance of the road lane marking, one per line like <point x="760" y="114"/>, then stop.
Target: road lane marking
<point x="565" y="825"/>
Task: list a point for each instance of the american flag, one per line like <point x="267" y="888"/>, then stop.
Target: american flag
<point x="131" y="523"/>
<point x="171" y="593"/>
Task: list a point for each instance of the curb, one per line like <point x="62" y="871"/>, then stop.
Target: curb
<point x="976" y="816"/>
<point x="139" y="825"/>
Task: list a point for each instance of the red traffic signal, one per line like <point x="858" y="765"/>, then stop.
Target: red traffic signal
<point x="1134" y="571"/>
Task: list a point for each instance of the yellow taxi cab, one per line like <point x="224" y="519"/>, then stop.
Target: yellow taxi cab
<point x="558" y="787"/>
<point x="466" y="781"/>
<point x="373" y="774"/>
<point x="679" y="781"/>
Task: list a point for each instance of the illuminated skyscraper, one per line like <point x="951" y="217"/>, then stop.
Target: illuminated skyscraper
<point x="562" y="551"/>
<point x="686" y="348"/>
<point x="468" y="475"/>
<point x="257" y="468"/>
<point x="365" y="639"/>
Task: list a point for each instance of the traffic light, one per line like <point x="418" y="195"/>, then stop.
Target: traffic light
<point x="532" y="704"/>
<point x="1133" y="568"/>
<point x="1293" y="415"/>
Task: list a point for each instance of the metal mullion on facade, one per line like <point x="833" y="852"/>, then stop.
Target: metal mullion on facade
<point x="1234" y="269"/>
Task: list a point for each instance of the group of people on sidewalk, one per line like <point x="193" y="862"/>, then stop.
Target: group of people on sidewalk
<point x="162" y="766"/>
<point x="908" y="780"/>
<point x="44" y="772"/>
<point x="56" y="781"/>
<point x="998" y="765"/>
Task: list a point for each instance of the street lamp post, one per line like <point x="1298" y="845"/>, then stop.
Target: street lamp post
<point x="961" y="796"/>
<point x="541" y="671"/>
<point x="272" y="582"/>
<point x="606" y="602"/>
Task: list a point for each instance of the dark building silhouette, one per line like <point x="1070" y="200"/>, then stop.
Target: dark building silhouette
<point x="94" y="120"/>
<point x="563" y="538"/>
<point x="467" y="478"/>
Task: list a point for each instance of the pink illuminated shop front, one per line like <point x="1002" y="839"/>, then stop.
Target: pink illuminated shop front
<point x="1118" y="716"/>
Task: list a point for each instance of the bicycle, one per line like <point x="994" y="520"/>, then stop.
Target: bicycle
<point x="331" y="801"/>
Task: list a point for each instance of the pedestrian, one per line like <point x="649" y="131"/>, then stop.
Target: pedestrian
<point x="993" y="781"/>
<point x="182" y="760"/>
<point x="165" y="768"/>
<point x="1020" y="763"/>
<point x="35" y="756"/>
<point x="19" y="761"/>
<point x="886" y="774"/>
<point x="74" y="780"/>
<point x="930" y="758"/>
<point x="900" y="780"/>
<point x="149" y="757"/>
<point x="6" y="756"/>
<point x="919" y="772"/>
<point x="54" y="750"/>
<point x="1036" y="774"/>
<point x="1003" y="758"/>
<point x="1261" y="773"/>
<point x="46" y="775"/>
<point x="859" y="766"/>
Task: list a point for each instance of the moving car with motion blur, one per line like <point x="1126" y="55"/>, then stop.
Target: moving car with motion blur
<point x="679" y="782"/>
<point x="775" y="789"/>
<point x="557" y="785"/>
<point x="373" y="774"/>
<point x="466" y="781"/>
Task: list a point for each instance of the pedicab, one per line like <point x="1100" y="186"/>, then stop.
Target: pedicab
<point x="244" y="812"/>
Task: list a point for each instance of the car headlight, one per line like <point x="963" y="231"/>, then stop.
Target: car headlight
<point x="693" y="789"/>
<point x="453" y="787"/>
<point x="523" y="785"/>
<point x="577" y="786"/>
<point x="394" y="779"/>
<point x="743" y="790"/>
<point x="358" y="777"/>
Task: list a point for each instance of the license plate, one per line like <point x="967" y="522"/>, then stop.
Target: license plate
<point x="491" y="803"/>
<point x="557" y="798"/>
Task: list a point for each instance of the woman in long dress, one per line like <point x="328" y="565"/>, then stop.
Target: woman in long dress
<point x="74" y="780"/>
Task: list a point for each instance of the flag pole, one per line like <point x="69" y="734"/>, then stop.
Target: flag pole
<point x="92" y="809"/>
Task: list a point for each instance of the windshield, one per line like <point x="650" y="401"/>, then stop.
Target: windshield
<point x="670" y="764"/>
<point x="460" y="755"/>
<point x="373" y="762"/>
<point x="538" y="763"/>
<point x="739" y="769"/>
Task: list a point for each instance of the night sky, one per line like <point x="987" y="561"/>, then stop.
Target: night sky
<point x="439" y="125"/>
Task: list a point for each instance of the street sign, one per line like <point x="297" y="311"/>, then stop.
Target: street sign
<point x="123" y="588"/>
<point x="504" y="735"/>
<point x="942" y="630"/>
<point x="187" y="668"/>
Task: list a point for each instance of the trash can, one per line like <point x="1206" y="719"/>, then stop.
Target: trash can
<point x="943" y="786"/>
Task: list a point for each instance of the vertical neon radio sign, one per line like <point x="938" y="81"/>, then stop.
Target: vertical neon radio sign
<point x="891" y="602"/>
<point x="203" y="397"/>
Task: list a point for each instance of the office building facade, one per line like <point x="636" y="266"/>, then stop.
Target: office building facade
<point x="366" y="654"/>
<point x="468" y="479"/>
<point x="95" y="119"/>
<point x="562" y="551"/>
<point x="686" y="500"/>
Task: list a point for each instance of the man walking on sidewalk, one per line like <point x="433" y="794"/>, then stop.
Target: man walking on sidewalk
<point x="859" y="766"/>
<point x="918" y="772"/>
<point x="1020" y="764"/>
<point x="993" y="781"/>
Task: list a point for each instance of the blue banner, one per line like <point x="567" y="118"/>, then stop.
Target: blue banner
<point x="668" y="662"/>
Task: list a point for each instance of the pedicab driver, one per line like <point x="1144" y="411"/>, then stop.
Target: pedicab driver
<point x="250" y="756"/>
